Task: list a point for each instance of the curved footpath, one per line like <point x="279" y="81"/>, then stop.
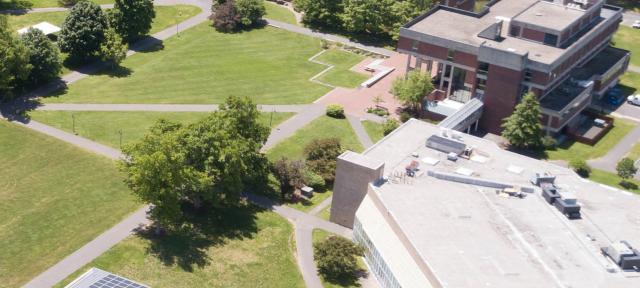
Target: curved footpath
<point x="304" y="223"/>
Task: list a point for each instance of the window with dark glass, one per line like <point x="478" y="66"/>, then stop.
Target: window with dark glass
<point x="481" y="83"/>
<point x="450" y="53"/>
<point x="550" y="39"/>
<point x="483" y="68"/>
<point x="515" y="31"/>
<point x="528" y="75"/>
<point x="415" y="45"/>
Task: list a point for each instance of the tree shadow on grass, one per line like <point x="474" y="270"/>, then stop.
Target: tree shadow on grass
<point x="147" y="44"/>
<point x="15" y="5"/>
<point x="348" y="280"/>
<point x="188" y="247"/>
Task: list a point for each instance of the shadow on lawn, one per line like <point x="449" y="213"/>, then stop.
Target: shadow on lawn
<point x="15" y="5"/>
<point x="188" y="246"/>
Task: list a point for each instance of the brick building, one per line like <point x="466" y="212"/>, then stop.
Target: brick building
<point x="558" y="49"/>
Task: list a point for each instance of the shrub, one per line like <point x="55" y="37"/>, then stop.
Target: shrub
<point x="313" y="180"/>
<point x="324" y="44"/>
<point x="389" y="125"/>
<point x="581" y="167"/>
<point x="335" y="111"/>
<point x="321" y="155"/>
<point x="405" y="116"/>
<point x="337" y="258"/>
<point x="626" y="168"/>
<point x="378" y="111"/>
<point x="549" y="142"/>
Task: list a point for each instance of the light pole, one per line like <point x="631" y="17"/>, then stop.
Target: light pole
<point x="271" y="118"/>
<point x="178" y="23"/>
<point x="120" y="133"/>
<point x="73" y="123"/>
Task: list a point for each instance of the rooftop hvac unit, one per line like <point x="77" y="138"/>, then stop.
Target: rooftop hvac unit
<point x="445" y="145"/>
<point x="539" y="179"/>
<point x="624" y="255"/>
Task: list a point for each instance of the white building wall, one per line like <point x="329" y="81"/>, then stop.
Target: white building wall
<point x="388" y="247"/>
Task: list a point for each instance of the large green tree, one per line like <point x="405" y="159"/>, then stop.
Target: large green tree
<point x="132" y="19"/>
<point x="324" y="13"/>
<point x="368" y="16"/>
<point x="112" y="50"/>
<point x="207" y="164"/>
<point x="250" y="11"/>
<point x="523" y="128"/>
<point x="321" y="155"/>
<point x="44" y="57"/>
<point x="337" y="259"/>
<point x="14" y="61"/>
<point x="412" y="89"/>
<point x="83" y="31"/>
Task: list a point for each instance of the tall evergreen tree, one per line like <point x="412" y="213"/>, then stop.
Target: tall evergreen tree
<point x="523" y="128"/>
<point x="83" y="31"/>
<point x="132" y="19"/>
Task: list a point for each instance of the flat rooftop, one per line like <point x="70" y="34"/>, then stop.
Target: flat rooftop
<point x="471" y="237"/>
<point x="549" y="15"/>
<point x="461" y="28"/>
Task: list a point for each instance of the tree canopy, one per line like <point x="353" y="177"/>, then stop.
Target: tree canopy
<point x="112" y="50"/>
<point x="412" y="89"/>
<point x="83" y="30"/>
<point x="337" y="259"/>
<point x="229" y="15"/>
<point x="626" y="168"/>
<point x="44" y="57"/>
<point x="321" y="155"/>
<point x="523" y="128"/>
<point x="205" y="165"/>
<point x="321" y="12"/>
<point x="132" y="19"/>
<point x="14" y="59"/>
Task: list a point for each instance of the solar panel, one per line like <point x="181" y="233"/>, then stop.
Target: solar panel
<point x="97" y="278"/>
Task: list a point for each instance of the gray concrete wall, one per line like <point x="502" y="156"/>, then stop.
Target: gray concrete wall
<point x="354" y="172"/>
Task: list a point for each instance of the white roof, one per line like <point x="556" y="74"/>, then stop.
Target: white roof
<point x="46" y="28"/>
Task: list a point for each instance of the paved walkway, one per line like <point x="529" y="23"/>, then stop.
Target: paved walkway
<point x="90" y="251"/>
<point x="609" y="161"/>
<point x="324" y="204"/>
<point x="629" y="17"/>
<point x="287" y="128"/>
<point x="363" y="137"/>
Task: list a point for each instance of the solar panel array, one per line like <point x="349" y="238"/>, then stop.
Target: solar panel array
<point x="113" y="281"/>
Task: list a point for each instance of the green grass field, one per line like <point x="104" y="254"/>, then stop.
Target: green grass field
<point x="341" y="75"/>
<point x="23" y="4"/>
<point x="104" y="127"/>
<point x="306" y="206"/>
<point x="279" y="13"/>
<point x="204" y="66"/>
<point x="54" y="198"/>
<point x="574" y="150"/>
<point x="262" y="257"/>
<point x="325" y="213"/>
<point x="374" y="130"/>
<point x="323" y="127"/>
<point x="628" y="38"/>
<point x="635" y="152"/>
<point x="611" y="179"/>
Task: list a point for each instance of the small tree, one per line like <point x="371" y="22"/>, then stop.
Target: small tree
<point x="335" y="111"/>
<point x="14" y="61"/>
<point x="389" y="125"/>
<point x="112" y="50"/>
<point x="290" y="175"/>
<point x="225" y="17"/>
<point x="626" y="169"/>
<point x="337" y="259"/>
<point x="412" y="89"/>
<point x="321" y="155"/>
<point x="523" y="128"/>
<point x="44" y="57"/>
<point x="132" y="18"/>
<point x="581" y="167"/>
<point x="83" y="30"/>
<point x="250" y="11"/>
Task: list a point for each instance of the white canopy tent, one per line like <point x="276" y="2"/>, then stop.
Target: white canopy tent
<point x="46" y="28"/>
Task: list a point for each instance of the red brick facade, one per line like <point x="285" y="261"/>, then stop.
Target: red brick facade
<point x="500" y="97"/>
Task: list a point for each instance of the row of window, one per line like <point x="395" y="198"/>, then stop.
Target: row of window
<point x="374" y="259"/>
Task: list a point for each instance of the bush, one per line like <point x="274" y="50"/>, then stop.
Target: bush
<point x="581" y="167"/>
<point x="337" y="259"/>
<point x="378" y="111"/>
<point x="313" y="180"/>
<point x="626" y="168"/>
<point x="405" y="116"/>
<point x="321" y="155"/>
<point x="335" y="111"/>
<point x="324" y="44"/>
<point x="389" y="125"/>
<point x="549" y="142"/>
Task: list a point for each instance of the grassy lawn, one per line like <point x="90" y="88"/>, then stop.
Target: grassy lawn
<point x="325" y="213"/>
<point x="323" y="127"/>
<point x="307" y="205"/>
<point x="374" y="130"/>
<point x="204" y="66"/>
<point x="630" y="83"/>
<point x="573" y="150"/>
<point x="54" y="198"/>
<point x="251" y="253"/>
<point x="279" y="13"/>
<point x="340" y="75"/>
<point x="611" y="179"/>
<point x="635" y="152"/>
<point x="103" y="127"/>
<point x="22" y="4"/>
<point x="628" y="38"/>
<point x="632" y="5"/>
<point x="319" y="235"/>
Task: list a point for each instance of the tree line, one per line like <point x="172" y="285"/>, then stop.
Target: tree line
<point x="87" y="33"/>
<point x="377" y="17"/>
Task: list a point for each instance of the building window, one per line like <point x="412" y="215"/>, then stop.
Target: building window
<point x="528" y="75"/>
<point x="481" y="84"/>
<point x="550" y="39"/>
<point x="415" y="45"/>
<point x="515" y="31"/>
<point x="483" y="68"/>
<point x="450" y="54"/>
<point x="377" y="264"/>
